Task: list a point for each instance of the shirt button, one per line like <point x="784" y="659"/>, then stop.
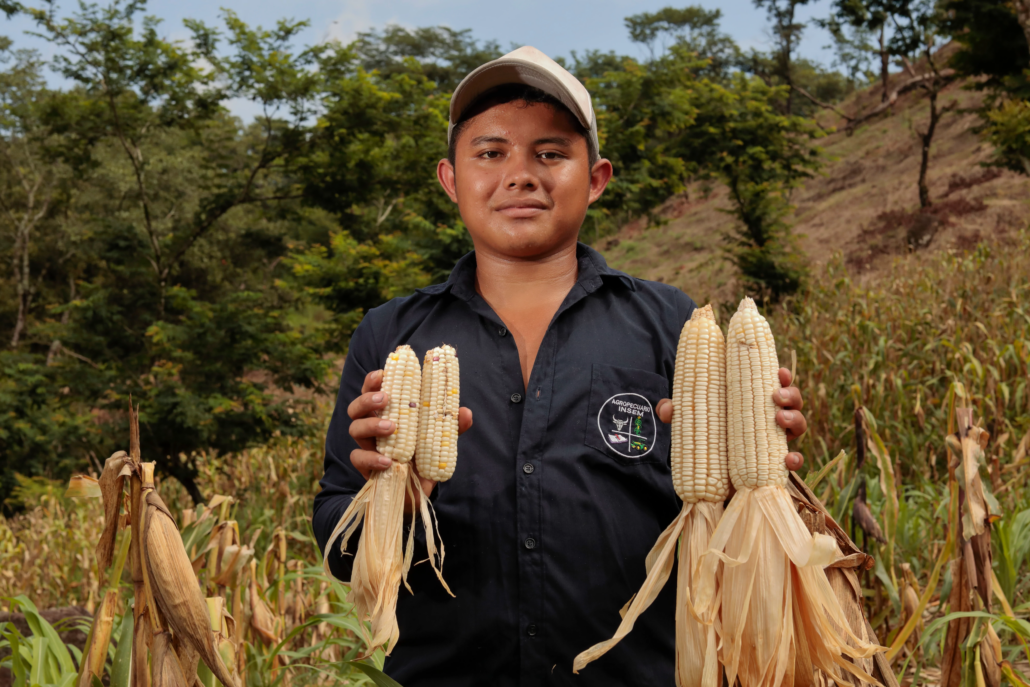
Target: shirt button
<point x="516" y="398"/>
<point x="531" y="630"/>
<point x="530" y="543"/>
<point x="528" y="468"/>
<point x="502" y="331"/>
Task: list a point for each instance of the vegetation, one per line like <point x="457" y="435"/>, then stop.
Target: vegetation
<point x="943" y="331"/>
<point x="995" y="48"/>
<point x="256" y="554"/>
<point x="213" y="269"/>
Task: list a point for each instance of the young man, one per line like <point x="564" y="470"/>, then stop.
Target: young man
<point x="563" y="484"/>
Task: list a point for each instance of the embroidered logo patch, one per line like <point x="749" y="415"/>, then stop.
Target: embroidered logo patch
<point x="627" y="425"/>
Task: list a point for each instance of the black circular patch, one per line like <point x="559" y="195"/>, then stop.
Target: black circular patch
<point x="627" y="425"/>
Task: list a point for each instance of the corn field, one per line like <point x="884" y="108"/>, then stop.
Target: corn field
<point x="273" y="616"/>
<point x="917" y="387"/>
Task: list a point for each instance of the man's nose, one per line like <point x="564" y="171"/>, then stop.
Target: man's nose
<point x="521" y="173"/>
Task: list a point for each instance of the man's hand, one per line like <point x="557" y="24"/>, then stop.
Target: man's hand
<point x="366" y="426"/>
<point x="789" y="417"/>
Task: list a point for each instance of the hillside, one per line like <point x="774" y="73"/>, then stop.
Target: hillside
<point x="864" y="204"/>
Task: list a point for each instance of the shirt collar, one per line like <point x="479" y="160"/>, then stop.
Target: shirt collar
<point x="593" y="271"/>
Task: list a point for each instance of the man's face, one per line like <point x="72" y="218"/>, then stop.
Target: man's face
<point x="522" y="179"/>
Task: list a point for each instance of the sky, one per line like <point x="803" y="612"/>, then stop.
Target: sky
<point x="557" y="27"/>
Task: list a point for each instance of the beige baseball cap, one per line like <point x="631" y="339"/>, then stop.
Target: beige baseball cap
<point x="529" y="66"/>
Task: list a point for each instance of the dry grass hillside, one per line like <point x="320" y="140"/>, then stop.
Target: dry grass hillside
<point x="864" y="204"/>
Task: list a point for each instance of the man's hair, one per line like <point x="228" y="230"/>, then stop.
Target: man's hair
<point x="509" y="93"/>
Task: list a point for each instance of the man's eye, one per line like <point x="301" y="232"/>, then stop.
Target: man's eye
<point x="490" y="154"/>
<point x="552" y="155"/>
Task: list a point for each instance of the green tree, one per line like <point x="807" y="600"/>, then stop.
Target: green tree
<point x="694" y="28"/>
<point x="865" y="19"/>
<point x="643" y="110"/>
<point x="1008" y="129"/>
<point x="761" y="155"/>
<point x="663" y="123"/>
<point x="370" y="163"/>
<point x="28" y="182"/>
<point x="786" y="30"/>
<point x="443" y="55"/>
<point x="177" y="227"/>
<point x="920" y="30"/>
<point x="34" y="190"/>
<point x="994" y="51"/>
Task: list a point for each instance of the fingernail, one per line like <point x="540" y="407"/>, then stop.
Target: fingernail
<point x="377" y="398"/>
<point x="788" y="416"/>
<point x="386" y="424"/>
<point x="783" y="394"/>
<point x="384" y="462"/>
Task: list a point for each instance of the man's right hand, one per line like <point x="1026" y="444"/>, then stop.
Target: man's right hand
<point x="366" y="427"/>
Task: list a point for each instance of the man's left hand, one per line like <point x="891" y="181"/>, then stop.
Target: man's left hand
<point x="789" y="417"/>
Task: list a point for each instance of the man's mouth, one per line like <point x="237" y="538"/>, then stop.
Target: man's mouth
<point x="522" y="209"/>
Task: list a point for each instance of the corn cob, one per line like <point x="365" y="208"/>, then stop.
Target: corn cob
<point x="700" y="478"/>
<point x="762" y="576"/>
<point x="401" y="382"/>
<point x="383" y="558"/>
<point x="437" y="452"/>
<point x="172" y="584"/>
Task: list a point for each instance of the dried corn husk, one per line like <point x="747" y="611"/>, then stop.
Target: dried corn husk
<point x="380" y="563"/>
<point x="222" y="625"/>
<point x="696" y="660"/>
<point x="165" y="669"/>
<point x="696" y="653"/>
<point x="224" y="536"/>
<point x="175" y="588"/>
<point x="700" y="477"/>
<point x="780" y="617"/>
<point x="189" y="660"/>
<point x="382" y="560"/>
<point x="843" y="578"/>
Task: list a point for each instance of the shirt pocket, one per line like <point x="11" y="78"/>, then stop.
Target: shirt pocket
<point x="621" y="419"/>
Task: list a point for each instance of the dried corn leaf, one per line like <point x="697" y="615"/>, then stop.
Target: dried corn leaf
<point x="976" y="504"/>
<point x="99" y="639"/>
<point x="261" y="619"/>
<point x="112" y="489"/>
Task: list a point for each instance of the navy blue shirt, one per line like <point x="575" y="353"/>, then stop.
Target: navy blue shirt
<point x="561" y="487"/>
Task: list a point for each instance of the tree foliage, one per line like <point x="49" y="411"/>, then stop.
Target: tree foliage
<point x="994" y="49"/>
<point x="209" y="268"/>
<point x="693" y="29"/>
<point x="761" y="155"/>
<point x="164" y="235"/>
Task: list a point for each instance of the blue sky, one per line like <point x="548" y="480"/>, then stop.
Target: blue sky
<point x="555" y="26"/>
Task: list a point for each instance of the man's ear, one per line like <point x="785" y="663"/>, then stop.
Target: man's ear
<point x="600" y="175"/>
<point x="445" y="175"/>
